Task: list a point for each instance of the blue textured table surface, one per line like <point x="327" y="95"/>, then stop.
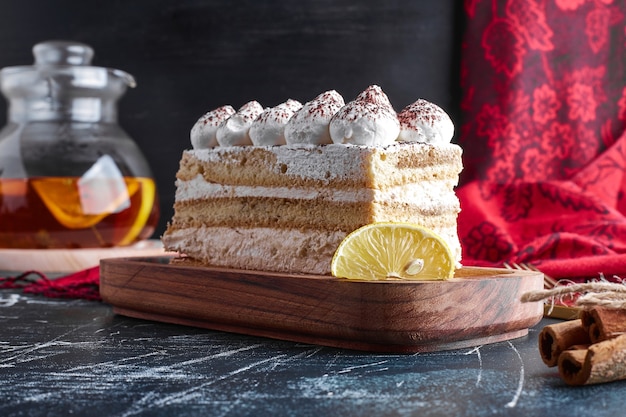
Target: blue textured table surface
<point x="74" y="357"/>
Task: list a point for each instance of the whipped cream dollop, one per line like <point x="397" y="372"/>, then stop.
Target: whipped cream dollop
<point x="423" y="121"/>
<point x="269" y="128"/>
<point x="374" y="94"/>
<point x="234" y="130"/>
<point x="310" y="124"/>
<point x="369" y="119"/>
<point x="203" y="132"/>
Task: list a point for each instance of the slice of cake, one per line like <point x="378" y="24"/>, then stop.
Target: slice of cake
<point x="287" y="207"/>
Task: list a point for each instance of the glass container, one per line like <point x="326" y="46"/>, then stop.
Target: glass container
<point x="70" y="176"/>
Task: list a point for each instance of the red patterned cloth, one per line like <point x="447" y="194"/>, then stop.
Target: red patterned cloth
<point x="82" y="284"/>
<point x="544" y="135"/>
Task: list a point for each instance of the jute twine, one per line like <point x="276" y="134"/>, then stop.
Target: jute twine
<point x="588" y="294"/>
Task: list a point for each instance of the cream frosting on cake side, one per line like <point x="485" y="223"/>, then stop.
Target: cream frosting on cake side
<point x="260" y="248"/>
<point x="287" y="207"/>
<point x="338" y="163"/>
<point x="425" y="192"/>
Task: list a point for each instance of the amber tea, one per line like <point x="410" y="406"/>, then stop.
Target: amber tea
<point x="69" y="212"/>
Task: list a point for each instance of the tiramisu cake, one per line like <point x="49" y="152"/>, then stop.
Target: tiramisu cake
<point x="277" y="189"/>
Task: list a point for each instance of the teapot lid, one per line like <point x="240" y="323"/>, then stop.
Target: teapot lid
<point x="67" y="59"/>
<point x="62" y="53"/>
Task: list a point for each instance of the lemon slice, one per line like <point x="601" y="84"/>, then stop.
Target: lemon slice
<point x="148" y="192"/>
<point x="66" y="201"/>
<point x="62" y="199"/>
<point x="381" y="251"/>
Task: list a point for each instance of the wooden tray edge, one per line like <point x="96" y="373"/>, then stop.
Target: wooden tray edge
<point x="321" y="341"/>
<point x="118" y="296"/>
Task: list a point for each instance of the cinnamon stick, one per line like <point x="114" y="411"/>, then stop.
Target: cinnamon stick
<point x="556" y="338"/>
<point x="602" y="362"/>
<point x="603" y="323"/>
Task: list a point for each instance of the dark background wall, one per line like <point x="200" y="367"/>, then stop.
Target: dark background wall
<point x="190" y="56"/>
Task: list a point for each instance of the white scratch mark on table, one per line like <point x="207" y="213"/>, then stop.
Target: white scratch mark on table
<point x="164" y="369"/>
<point x="332" y="361"/>
<point x="480" y="364"/>
<point x="148" y="401"/>
<point x="367" y="365"/>
<point x="314" y="352"/>
<point x="520" y="384"/>
<point x="28" y="349"/>
<point x="305" y="354"/>
<point x="116" y="363"/>
<point x="9" y="301"/>
<point x="64" y="302"/>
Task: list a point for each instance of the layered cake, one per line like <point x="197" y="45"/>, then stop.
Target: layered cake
<point x="313" y="173"/>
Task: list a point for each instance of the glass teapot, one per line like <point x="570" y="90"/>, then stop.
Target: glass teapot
<point x="70" y="177"/>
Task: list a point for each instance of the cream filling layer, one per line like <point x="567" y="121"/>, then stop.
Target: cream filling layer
<point x="426" y="194"/>
<point x="329" y="162"/>
<point x="271" y="248"/>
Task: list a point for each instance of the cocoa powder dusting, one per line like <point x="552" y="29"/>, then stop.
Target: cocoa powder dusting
<point x="420" y="111"/>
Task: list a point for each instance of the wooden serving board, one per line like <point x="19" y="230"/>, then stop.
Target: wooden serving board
<point x="477" y="306"/>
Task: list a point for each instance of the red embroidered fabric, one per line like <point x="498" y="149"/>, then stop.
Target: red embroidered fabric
<point x="82" y="284"/>
<point x="544" y="138"/>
